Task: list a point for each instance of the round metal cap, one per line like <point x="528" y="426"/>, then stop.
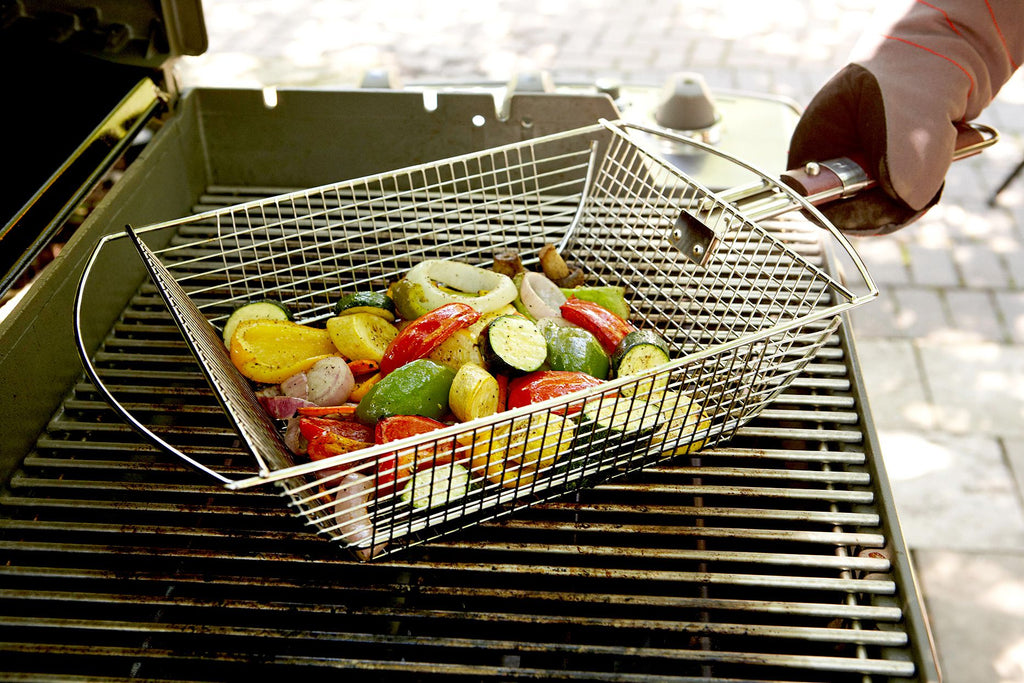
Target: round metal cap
<point x="686" y="103"/>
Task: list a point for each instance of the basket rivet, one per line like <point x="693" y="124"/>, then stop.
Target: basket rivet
<point x="698" y="250"/>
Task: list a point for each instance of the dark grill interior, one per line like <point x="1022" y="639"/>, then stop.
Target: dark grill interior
<point x="751" y="561"/>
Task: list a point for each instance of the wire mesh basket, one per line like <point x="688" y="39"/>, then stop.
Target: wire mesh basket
<point x="742" y="308"/>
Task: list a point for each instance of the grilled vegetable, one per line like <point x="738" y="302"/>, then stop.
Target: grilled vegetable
<point x="474" y="393"/>
<point x="271" y="351"/>
<point x="410" y="299"/>
<point x="417" y="388"/>
<point x="457" y="350"/>
<point x="363" y="387"/>
<point x="344" y="411"/>
<point x="395" y="469"/>
<point x="608" y="327"/>
<point x="683" y="421"/>
<point x="327" y="438"/>
<point x="477" y="329"/>
<point x="507" y="263"/>
<point x="623" y="421"/>
<point x="361" y="336"/>
<point x="363" y="366"/>
<point x="540" y="296"/>
<point x="641" y="351"/>
<point x="484" y="290"/>
<point x="377" y="303"/>
<point x="513" y="344"/>
<point x="541" y="386"/>
<point x="317" y="428"/>
<point x="403" y="426"/>
<point x="267" y="309"/>
<point x="351" y="510"/>
<point x="436" y="486"/>
<point x="515" y="455"/>
<point x="329" y="382"/>
<point x="573" y="349"/>
<point x="423" y="335"/>
<point x="282" y="407"/>
<point x="557" y="270"/>
<point x="607" y="296"/>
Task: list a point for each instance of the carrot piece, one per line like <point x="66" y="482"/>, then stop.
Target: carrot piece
<point x="360" y="389"/>
<point x="363" y="367"/>
<point x="321" y="411"/>
<point x="502" y="392"/>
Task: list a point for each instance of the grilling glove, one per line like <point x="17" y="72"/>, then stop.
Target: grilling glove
<point x="896" y="105"/>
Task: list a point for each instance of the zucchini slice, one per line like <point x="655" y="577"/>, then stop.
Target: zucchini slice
<point x="613" y="428"/>
<point x="641" y="351"/>
<point x="265" y="309"/>
<point x="377" y="303"/>
<point x="515" y="345"/>
<point x="437" y="486"/>
<point x="621" y="416"/>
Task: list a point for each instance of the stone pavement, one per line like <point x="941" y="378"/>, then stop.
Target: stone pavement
<point x="943" y="348"/>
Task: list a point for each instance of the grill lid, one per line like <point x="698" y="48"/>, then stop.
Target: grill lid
<point x="87" y="77"/>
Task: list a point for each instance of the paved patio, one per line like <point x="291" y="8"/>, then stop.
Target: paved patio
<point x="943" y="348"/>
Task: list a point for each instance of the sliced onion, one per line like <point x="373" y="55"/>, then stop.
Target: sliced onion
<point x="269" y="390"/>
<point x="541" y="296"/>
<point x="294" y="439"/>
<point x="282" y="407"/>
<point x="498" y="289"/>
<point x="297" y="386"/>
<point x="329" y="382"/>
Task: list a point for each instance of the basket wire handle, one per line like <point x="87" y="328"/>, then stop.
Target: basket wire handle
<point x="699" y="239"/>
<point x="208" y="348"/>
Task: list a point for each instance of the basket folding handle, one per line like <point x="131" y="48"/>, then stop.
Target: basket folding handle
<point x="97" y="379"/>
<point x="821" y="182"/>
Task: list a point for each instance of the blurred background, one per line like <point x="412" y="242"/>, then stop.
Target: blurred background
<point x="942" y="349"/>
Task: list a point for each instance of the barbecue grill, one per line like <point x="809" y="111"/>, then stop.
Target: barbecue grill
<point x="775" y="555"/>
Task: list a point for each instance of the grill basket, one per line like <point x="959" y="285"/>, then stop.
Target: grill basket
<point x="741" y="307"/>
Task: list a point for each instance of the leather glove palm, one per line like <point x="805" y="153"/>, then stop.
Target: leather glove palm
<point x="847" y="119"/>
<point x="932" y="65"/>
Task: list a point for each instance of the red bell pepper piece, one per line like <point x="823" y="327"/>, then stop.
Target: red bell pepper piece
<point x="401" y="426"/>
<point x="394" y="469"/>
<point x="316" y="428"/>
<point x="426" y="333"/>
<point x="608" y="327"/>
<point x="544" y="384"/>
<point x="327" y="438"/>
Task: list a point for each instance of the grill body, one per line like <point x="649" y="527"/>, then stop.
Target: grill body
<point x="774" y="556"/>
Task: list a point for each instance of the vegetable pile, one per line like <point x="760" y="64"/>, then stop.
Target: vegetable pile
<point x="447" y="343"/>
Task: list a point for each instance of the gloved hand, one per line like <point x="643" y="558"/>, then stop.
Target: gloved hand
<point x="896" y="104"/>
<point x="846" y="118"/>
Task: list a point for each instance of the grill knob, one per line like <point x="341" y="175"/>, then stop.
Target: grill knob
<point x="686" y="103"/>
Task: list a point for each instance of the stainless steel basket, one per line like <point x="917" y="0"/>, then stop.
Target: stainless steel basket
<point x="743" y="309"/>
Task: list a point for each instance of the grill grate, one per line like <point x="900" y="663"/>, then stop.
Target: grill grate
<point x="751" y="561"/>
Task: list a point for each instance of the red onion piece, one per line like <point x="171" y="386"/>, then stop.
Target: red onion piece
<point x="296" y="385"/>
<point x="283" y="407"/>
<point x="329" y="382"/>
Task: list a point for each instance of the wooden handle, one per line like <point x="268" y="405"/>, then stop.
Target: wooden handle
<point x="825" y="181"/>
